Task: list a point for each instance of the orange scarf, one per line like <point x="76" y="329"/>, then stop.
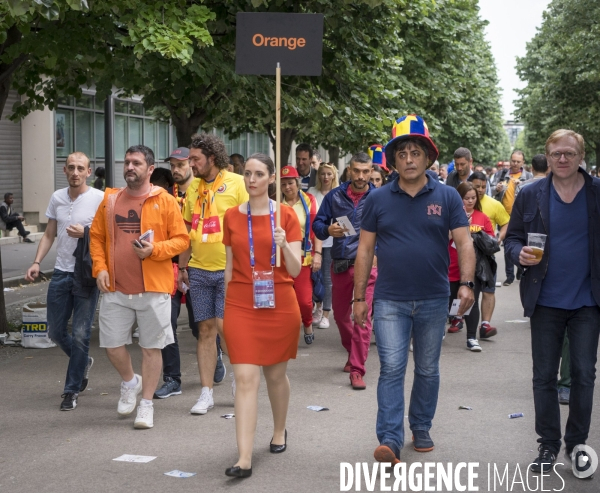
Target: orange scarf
<point x="205" y="210"/>
<point x="176" y="195"/>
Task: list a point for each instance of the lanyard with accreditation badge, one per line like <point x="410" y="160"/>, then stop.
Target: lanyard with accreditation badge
<point x="263" y="282"/>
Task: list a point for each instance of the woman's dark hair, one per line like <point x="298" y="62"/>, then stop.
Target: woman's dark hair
<point x="266" y="160"/>
<point x="344" y="178"/>
<point x="100" y="172"/>
<point x="466" y="187"/>
<point x="379" y="169"/>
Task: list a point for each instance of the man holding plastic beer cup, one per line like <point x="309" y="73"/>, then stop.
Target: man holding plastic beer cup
<point x="554" y="234"/>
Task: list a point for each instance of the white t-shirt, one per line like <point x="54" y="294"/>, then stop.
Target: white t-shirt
<point x="66" y="213"/>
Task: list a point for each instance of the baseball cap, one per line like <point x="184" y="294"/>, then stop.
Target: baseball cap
<point x="289" y="172"/>
<point x="180" y="153"/>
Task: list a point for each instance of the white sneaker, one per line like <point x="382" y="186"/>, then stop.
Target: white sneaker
<point x="136" y="333"/>
<point x="473" y="345"/>
<point x="204" y="403"/>
<point x="145" y="418"/>
<point x="317" y="315"/>
<point x="128" y="398"/>
<point x="324" y="323"/>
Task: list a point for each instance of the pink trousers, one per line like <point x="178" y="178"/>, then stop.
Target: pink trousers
<point x="355" y="339"/>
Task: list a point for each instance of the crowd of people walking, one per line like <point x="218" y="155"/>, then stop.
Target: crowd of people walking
<point x="396" y="246"/>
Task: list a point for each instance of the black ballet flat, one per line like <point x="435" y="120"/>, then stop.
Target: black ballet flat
<point x="277" y="449"/>
<point x="238" y="472"/>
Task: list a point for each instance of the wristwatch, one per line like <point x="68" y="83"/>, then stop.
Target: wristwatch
<point x="469" y="284"/>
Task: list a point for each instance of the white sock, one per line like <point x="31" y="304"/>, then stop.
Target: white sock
<point x="145" y="402"/>
<point x="132" y="383"/>
<point x="484" y="322"/>
<point x="208" y="389"/>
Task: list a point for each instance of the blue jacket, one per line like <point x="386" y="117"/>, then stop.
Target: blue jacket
<point x="530" y="214"/>
<point x="336" y="204"/>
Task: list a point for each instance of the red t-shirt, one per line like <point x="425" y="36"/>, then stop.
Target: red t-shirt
<point x="128" y="266"/>
<point x="479" y="221"/>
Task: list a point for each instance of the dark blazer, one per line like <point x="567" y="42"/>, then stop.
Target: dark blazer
<point x="531" y="214"/>
<point x="313" y="178"/>
<point x="84" y="284"/>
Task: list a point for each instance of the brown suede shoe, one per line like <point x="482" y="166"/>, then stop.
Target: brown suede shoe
<point x="383" y="453"/>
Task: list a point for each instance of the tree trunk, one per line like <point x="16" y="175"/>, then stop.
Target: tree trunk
<point x="334" y="155"/>
<point x="186" y="125"/>
<point x="4" y="88"/>
<point x="13" y="36"/>
<point x="287" y="137"/>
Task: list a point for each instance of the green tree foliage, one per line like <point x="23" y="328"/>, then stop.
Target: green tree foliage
<point x="522" y="144"/>
<point x="562" y="71"/>
<point x="450" y="78"/>
<point x="54" y="47"/>
<point x="381" y="59"/>
<point x="50" y="48"/>
<point x="381" y="62"/>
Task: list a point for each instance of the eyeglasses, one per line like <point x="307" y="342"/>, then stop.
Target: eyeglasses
<point x="570" y="155"/>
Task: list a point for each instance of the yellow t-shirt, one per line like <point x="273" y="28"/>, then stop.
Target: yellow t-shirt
<point x="509" y="196"/>
<point x="211" y="256"/>
<point x="495" y="211"/>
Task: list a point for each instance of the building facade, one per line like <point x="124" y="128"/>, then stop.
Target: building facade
<point x="33" y="151"/>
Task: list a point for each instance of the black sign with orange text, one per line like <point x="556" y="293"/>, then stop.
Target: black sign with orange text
<point x="265" y="39"/>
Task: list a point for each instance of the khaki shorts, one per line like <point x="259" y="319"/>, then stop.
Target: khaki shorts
<point x="152" y="311"/>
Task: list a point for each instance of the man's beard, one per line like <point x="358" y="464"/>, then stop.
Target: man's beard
<point x="181" y="181"/>
<point x="134" y="181"/>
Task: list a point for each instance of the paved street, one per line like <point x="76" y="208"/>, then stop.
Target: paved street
<point x="18" y="257"/>
<point x="45" y="450"/>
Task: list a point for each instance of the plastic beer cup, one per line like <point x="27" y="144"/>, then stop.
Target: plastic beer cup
<point x="537" y="242"/>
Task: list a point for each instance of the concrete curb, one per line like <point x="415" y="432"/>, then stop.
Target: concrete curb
<point x="11" y="282"/>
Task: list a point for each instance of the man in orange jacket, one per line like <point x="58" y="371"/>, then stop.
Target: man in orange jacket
<point x="137" y="282"/>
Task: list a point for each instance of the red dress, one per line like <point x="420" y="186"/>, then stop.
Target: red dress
<point x="479" y="221"/>
<point x="262" y="336"/>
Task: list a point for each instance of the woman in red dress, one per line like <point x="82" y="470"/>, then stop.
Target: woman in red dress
<point x="261" y="312"/>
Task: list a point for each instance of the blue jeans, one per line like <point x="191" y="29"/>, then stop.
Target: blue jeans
<point x="548" y="327"/>
<point x="326" y="270"/>
<point x="395" y="322"/>
<point x="170" y="353"/>
<point x="61" y="304"/>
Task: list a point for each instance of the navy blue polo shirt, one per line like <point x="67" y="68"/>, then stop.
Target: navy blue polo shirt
<point x="412" y="239"/>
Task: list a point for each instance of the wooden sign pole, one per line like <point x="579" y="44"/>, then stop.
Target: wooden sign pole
<point x="278" y="151"/>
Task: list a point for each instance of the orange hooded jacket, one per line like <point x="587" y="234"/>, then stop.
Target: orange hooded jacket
<point x="160" y="212"/>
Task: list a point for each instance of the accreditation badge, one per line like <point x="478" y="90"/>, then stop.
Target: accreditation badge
<point x="263" y="284"/>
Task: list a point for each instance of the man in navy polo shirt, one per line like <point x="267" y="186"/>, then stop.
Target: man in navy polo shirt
<point x="409" y="220"/>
